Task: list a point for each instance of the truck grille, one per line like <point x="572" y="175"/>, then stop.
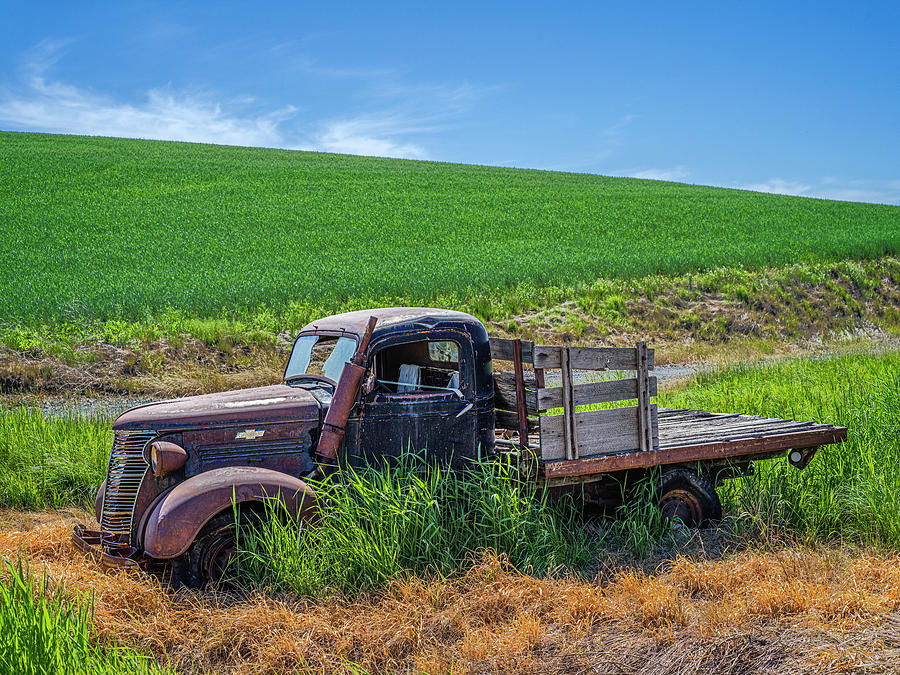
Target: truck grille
<point x="123" y="481"/>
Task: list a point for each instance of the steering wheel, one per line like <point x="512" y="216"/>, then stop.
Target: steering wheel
<point x="381" y="387"/>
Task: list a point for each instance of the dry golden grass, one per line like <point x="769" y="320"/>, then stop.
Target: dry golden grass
<point x="151" y="369"/>
<point x="815" y="611"/>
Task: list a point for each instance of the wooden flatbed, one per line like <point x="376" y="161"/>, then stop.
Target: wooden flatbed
<point x="588" y="438"/>
<point x="700" y="436"/>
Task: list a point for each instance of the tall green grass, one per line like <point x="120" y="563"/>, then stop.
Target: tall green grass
<point x="384" y="522"/>
<point x="99" y="228"/>
<point x="850" y="490"/>
<point x="46" y="631"/>
<point x="51" y="461"/>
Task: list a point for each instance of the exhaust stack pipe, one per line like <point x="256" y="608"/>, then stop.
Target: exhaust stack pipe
<point x="342" y="402"/>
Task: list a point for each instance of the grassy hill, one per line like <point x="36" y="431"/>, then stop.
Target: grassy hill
<point x="98" y="228"/>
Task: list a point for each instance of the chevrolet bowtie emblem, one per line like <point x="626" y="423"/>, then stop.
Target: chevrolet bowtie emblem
<point x="249" y="434"/>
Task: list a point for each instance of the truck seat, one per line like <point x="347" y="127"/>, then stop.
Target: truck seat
<point x="409" y="378"/>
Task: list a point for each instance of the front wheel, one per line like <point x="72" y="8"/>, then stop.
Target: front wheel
<point x="690" y="497"/>
<point x="212" y="554"/>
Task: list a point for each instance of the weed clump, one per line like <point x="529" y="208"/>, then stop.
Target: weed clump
<point x="415" y="518"/>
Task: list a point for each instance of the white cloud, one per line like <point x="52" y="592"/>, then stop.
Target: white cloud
<point x="833" y="187"/>
<point x="372" y="136"/>
<point x="39" y="103"/>
<point x="677" y="173"/>
<point x="426" y="109"/>
<point x="779" y="186"/>
<point x="44" y="105"/>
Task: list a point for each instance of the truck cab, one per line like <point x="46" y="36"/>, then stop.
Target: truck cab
<point x="428" y="384"/>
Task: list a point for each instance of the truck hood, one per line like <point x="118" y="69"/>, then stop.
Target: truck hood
<point x="261" y="404"/>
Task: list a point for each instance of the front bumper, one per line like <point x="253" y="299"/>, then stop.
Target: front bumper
<point x="122" y="557"/>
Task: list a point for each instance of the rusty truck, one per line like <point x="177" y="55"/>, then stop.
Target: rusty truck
<point x="363" y="387"/>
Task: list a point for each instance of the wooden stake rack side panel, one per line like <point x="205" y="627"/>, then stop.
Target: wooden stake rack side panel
<point x="598" y="432"/>
<point x="574" y="434"/>
<point x="590" y="358"/>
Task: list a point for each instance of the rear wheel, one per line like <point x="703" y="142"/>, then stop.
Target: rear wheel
<point x="686" y="495"/>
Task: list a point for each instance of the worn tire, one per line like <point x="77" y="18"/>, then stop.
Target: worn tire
<point x="685" y="494"/>
<point x="204" y="563"/>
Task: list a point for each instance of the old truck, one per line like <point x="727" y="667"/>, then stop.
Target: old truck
<point x="363" y="387"/>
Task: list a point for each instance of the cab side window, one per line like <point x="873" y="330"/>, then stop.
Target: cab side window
<point x="418" y="368"/>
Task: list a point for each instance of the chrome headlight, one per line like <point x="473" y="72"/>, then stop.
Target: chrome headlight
<point x="164" y="457"/>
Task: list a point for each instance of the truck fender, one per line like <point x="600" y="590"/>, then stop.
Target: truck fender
<point x="180" y="515"/>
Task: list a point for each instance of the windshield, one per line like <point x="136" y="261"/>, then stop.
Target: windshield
<point x="320" y="355"/>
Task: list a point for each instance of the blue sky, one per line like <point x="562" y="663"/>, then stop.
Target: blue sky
<point x="801" y="98"/>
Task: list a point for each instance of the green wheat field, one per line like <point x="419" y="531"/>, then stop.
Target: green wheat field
<point x="99" y="229"/>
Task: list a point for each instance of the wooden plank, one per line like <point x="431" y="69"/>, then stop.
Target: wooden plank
<point x="681" y="437"/>
<point x="502" y="350"/>
<point x="570" y="442"/>
<point x="521" y="408"/>
<point x="603" y="422"/>
<point x="678" y="428"/>
<point x="672" y="427"/>
<point x="645" y="419"/>
<point x="505" y="392"/>
<point x="599" y="432"/>
<point x="504" y="419"/>
<point x="700" y="427"/>
<point x="685" y="435"/>
<point x="703" y="427"/>
<point x="590" y="358"/>
<point x="594" y="392"/>
<point x="622" y="437"/>
<point x="696" y="453"/>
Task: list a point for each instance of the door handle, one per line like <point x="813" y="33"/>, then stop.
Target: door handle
<point x="465" y="410"/>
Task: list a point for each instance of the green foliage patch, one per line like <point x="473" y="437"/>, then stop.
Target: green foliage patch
<point x="51" y="461"/>
<point x="44" y="630"/>
<point x="383" y="522"/>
